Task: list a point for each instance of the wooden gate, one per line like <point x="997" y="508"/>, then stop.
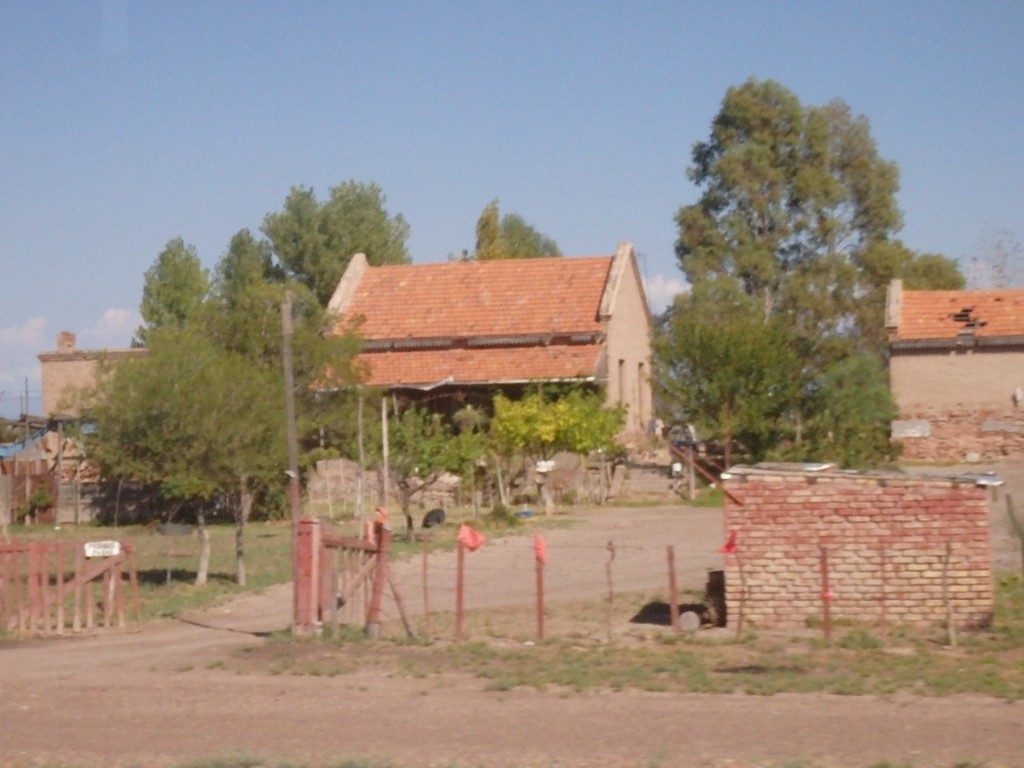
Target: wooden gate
<point x="51" y="587"/>
<point x="341" y="579"/>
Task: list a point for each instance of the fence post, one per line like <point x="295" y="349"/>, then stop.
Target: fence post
<point x="383" y="538"/>
<point x="611" y="587"/>
<point x="826" y="596"/>
<point x="426" y="591"/>
<point x="460" y="570"/>
<point x="540" y="598"/>
<point x="673" y="591"/>
<point x="307" y="545"/>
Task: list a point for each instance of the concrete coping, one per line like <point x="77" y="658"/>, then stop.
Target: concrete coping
<point x="822" y="471"/>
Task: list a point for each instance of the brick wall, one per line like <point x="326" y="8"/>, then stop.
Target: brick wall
<point x="960" y="434"/>
<point x="885" y="534"/>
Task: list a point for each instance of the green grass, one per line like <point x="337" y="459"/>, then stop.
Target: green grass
<point x="577" y="656"/>
<point x="166" y="566"/>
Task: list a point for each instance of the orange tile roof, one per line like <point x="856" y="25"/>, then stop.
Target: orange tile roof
<point x="469" y="299"/>
<point x="423" y="367"/>
<point x="940" y="315"/>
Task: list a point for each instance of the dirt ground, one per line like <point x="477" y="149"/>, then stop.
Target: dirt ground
<point x="163" y="696"/>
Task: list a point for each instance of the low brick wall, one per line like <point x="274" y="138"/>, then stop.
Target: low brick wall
<point x="886" y="537"/>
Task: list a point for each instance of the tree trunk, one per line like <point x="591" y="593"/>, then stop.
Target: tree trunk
<point x="502" y="490"/>
<point x="204" y="549"/>
<point x="242" y="513"/>
<point x="406" y="501"/>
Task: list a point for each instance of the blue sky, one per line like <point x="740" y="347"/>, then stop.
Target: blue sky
<point x="124" y="124"/>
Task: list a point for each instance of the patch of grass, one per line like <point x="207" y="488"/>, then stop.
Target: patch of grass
<point x="863" y="661"/>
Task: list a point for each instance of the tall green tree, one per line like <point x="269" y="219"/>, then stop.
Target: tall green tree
<point x="194" y="421"/>
<point x="489" y="245"/>
<point x="795" y="229"/>
<point x="509" y="237"/>
<point x="173" y="289"/>
<point x="314" y="241"/>
<point x="798" y="209"/>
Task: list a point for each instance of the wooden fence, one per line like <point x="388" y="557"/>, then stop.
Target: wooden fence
<point x="341" y="579"/>
<point x="50" y="588"/>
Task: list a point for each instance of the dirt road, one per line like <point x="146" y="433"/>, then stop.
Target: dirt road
<point x="161" y="697"/>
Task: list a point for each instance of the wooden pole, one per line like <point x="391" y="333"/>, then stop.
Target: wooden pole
<point x="946" y="597"/>
<point x="611" y="588"/>
<point x="460" y="569"/>
<point x="380" y="574"/>
<point x="540" y="599"/>
<point x="883" y="593"/>
<point x="826" y="596"/>
<point x="386" y="470"/>
<point x="673" y="591"/>
<point x="743" y="595"/>
<point x="399" y="602"/>
<point x="426" y="591"/>
<point x="294" y="491"/>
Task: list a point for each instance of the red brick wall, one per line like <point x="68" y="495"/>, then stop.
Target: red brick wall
<point x="886" y="538"/>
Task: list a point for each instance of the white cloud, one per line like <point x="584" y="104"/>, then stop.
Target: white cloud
<point x="29" y="335"/>
<point x="114" y="329"/>
<point x="661" y="291"/>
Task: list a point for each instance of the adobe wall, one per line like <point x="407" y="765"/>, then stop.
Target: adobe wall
<point x="885" y="535"/>
<point x="65" y="375"/>
<point x="960" y="434"/>
<point x="628" y="348"/>
<point x="958" y="405"/>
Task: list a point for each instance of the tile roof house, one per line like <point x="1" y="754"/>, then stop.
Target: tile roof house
<point x="462" y="330"/>
<point x="956" y="372"/>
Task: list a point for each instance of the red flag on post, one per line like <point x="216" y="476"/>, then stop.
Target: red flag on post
<point x="730" y="545"/>
<point x="470" y="538"/>
<point x="540" y="549"/>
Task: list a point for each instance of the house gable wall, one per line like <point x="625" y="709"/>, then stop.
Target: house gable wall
<point x="626" y="361"/>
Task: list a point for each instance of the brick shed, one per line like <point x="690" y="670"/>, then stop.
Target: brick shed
<point x="885" y="535"/>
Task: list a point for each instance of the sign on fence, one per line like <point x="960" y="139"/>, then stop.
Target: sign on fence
<point x="102" y="548"/>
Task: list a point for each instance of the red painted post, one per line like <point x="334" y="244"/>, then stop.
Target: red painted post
<point x="380" y="575"/>
<point x="307" y="542"/>
<point x="673" y="591"/>
<point x="540" y="599"/>
<point x="460" y="570"/>
<point x="826" y="596"/>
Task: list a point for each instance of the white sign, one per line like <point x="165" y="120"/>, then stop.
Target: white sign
<point x="102" y="548"/>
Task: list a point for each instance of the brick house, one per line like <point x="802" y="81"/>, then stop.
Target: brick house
<point x="956" y="372"/>
<point x="457" y="332"/>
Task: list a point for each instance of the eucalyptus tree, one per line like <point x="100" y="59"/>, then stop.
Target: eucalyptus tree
<point x="798" y="216"/>
<point x="173" y="289"/>
<point x="509" y="237"/>
<point x="799" y="210"/>
<point x="313" y="241"/>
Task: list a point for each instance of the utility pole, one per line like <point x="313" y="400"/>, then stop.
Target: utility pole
<point x="294" y="492"/>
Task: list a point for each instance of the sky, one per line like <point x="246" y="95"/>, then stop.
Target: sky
<point x="127" y="123"/>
